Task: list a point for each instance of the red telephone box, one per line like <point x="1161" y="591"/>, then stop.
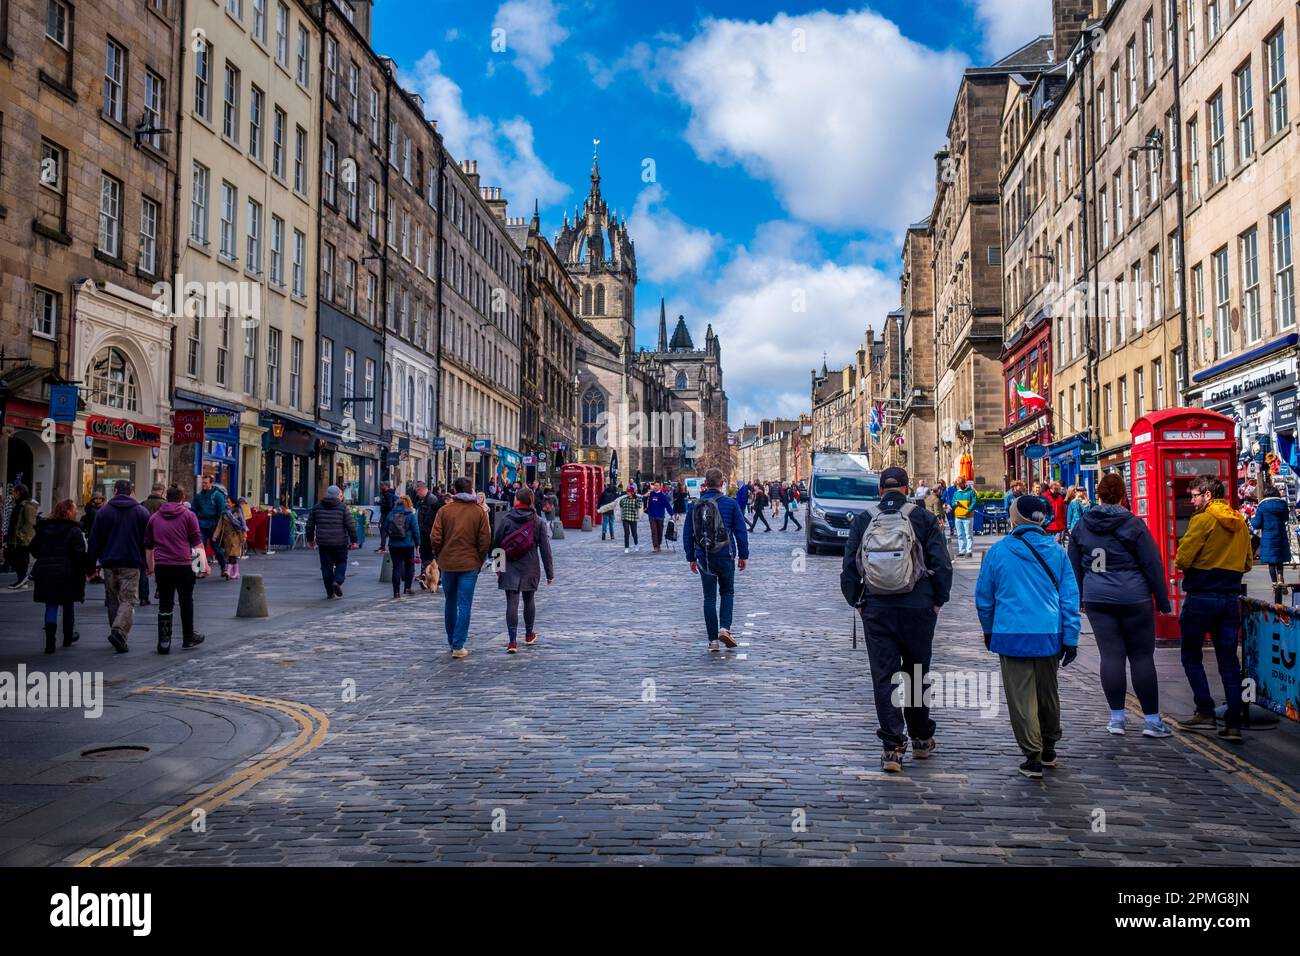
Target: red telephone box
<point x="1170" y="448"/>
<point x="580" y="487"/>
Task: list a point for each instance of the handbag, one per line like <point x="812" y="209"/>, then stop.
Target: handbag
<point x="670" y="532"/>
<point x="199" y="562"/>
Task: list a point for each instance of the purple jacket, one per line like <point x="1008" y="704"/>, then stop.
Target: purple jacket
<point x="117" y="538"/>
<point x="173" y="534"/>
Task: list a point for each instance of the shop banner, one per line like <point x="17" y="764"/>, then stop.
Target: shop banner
<point x="187" y="426"/>
<point x="1272" y="645"/>
<point x="120" y="430"/>
<point x="63" y="403"/>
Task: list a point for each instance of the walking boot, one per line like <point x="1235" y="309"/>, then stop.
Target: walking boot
<point x="70" y="637"/>
<point x="49" y="638"/>
<point x="164" y="633"/>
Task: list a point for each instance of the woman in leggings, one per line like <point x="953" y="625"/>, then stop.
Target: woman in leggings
<point x="1122" y="584"/>
<point x="1270" y="522"/>
<point x="523" y="540"/>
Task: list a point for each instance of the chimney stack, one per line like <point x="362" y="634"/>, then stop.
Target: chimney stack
<point x="1068" y="20"/>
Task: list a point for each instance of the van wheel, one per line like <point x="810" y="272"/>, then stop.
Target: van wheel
<point x="812" y="548"/>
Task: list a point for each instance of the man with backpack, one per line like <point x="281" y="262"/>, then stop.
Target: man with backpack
<point x="716" y="542"/>
<point x="525" y="541"/>
<point x="897" y="574"/>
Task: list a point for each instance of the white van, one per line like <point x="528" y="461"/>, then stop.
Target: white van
<point x="841" y="487"/>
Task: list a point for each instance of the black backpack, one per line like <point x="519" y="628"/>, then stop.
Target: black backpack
<point x="397" y="524"/>
<point x="708" y="529"/>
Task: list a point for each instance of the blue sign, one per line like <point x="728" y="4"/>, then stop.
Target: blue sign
<point x="440" y="444"/>
<point x="483" y="446"/>
<point x="1272" y="650"/>
<point x="1035" y="452"/>
<point x="63" y="403"/>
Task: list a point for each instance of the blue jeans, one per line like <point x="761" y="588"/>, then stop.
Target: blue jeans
<point x="210" y="539"/>
<point x="1218" y="614"/>
<point x="607" y="524"/>
<point x="965" y="536"/>
<point x="458" y="586"/>
<point x="719" y="577"/>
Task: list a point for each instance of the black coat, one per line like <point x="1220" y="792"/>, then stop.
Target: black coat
<point x="933" y="590"/>
<point x="60" y="570"/>
<point x="1119" y="546"/>
<point x="426" y="509"/>
<point x="331" y="524"/>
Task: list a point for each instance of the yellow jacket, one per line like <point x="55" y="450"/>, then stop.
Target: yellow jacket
<point x="1216" y="540"/>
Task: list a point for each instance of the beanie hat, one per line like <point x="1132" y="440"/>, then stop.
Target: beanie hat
<point x="333" y="491"/>
<point x="1030" y="509"/>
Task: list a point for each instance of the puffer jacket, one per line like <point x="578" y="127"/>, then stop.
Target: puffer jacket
<point x="1270" y="521"/>
<point x="59" y="548"/>
<point x="525" y="573"/>
<point x="331" y="524"/>
<point x="1214" y="554"/>
<point x="1115" y="559"/>
<point x="1026" y="612"/>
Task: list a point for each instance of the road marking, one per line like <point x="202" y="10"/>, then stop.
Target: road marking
<point x="313" y="728"/>
<point x="742" y="657"/>
<point x="1226" y="760"/>
<point x="758" y="614"/>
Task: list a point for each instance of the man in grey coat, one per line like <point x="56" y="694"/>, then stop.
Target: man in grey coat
<point x="521" y="546"/>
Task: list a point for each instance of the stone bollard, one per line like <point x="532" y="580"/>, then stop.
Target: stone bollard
<point x="557" y="529"/>
<point x="386" y="569"/>
<point x="252" y="597"/>
<point x="586" y="523"/>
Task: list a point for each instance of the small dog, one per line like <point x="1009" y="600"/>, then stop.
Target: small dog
<point x="432" y="576"/>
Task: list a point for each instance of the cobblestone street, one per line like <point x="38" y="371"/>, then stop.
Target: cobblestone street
<point x="619" y="738"/>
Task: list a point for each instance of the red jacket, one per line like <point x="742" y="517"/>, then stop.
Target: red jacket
<point x="1058" y="509"/>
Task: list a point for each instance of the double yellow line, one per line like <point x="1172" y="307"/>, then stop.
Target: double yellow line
<point x="313" y="728"/>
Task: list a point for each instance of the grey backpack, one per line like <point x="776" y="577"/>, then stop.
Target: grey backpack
<point x="890" y="558"/>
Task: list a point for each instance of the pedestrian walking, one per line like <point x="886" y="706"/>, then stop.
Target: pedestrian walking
<point x="659" y="506"/>
<point x="963" y="514"/>
<point x="1214" y="555"/>
<point x="1027" y="598"/>
<point x="788" y="498"/>
<point x="760" y="503"/>
<point x="92" y="509"/>
<point x="524" y="542"/>
<point x="630" y="511"/>
<point x="403" y="533"/>
<point x="157" y="498"/>
<point x="22" y="529"/>
<point x="897" y="575"/>
<point x="1121" y="579"/>
<point x="332" y="531"/>
<point x="605" y="508"/>
<point x="1055" y="495"/>
<point x="742" y="496"/>
<point x="209" y="504"/>
<point x="59" y="574"/>
<point x="461" y="540"/>
<point x="716" y="543"/>
<point x="173" y="542"/>
<point x="117" y="544"/>
<point x="1077" y="508"/>
<point x="426" y="506"/>
<point x="1274" y="544"/>
<point x="938" y="507"/>
<point x="386" y="500"/>
<point x="232" y="532"/>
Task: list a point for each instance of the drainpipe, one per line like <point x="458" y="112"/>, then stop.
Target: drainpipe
<point x="1184" y="302"/>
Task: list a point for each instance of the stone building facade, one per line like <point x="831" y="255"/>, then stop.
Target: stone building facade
<point x="694" y="376"/>
<point x="834" y="422"/>
<point x="919" y="449"/>
<point x="87" y="100"/>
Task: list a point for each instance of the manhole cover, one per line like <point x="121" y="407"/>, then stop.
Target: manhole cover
<point x="114" y="753"/>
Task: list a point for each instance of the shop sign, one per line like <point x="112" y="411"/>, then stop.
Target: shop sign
<point x="1257" y="381"/>
<point x="439" y="443"/>
<point x="1284" y="408"/>
<point x="1194" y="435"/>
<point x="483" y="446"/>
<point x="472" y="457"/>
<point x="1035" y="452"/>
<point x="1088" y="457"/>
<point x="217" y="423"/>
<point x="63" y="403"/>
<point x="1272" y="647"/>
<point x="188" y="426"/>
<point x="1020" y="434"/>
<point x="530" y="459"/>
<point x="120" y="430"/>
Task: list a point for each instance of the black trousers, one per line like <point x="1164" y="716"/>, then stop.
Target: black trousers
<point x="760" y="515"/>
<point x="403" y="568"/>
<point x="176" y="582"/>
<point x="900" y="639"/>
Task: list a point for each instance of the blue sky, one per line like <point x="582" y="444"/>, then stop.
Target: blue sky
<point x="768" y="155"/>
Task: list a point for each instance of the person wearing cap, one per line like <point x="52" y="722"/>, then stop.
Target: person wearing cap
<point x="332" y="531"/>
<point x="1027" y="598"/>
<point x="899" y="627"/>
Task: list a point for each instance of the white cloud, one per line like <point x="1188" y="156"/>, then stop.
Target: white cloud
<point x="666" y="247"/>
<point x="532" y="31"/>
<point x="638" y="58"/>
<point x="504" y="148"/>
<point x="769" y="347"/>
<point x="1007" y="25"/>
<point x="844" y="130"/>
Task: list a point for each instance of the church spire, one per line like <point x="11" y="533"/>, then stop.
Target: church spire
<point x="537" y="217"/>
<point x="663" y="327"/>
<point x="595" y="174"/>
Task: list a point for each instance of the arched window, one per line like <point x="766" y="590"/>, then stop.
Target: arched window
<point x="388" y="389"/>
<point x="600" y="300"/>
<point x="113" y="382"/>
<point x="681" y="380"/>
<point x="593" y="408"/>
<point x="586" y="301"/>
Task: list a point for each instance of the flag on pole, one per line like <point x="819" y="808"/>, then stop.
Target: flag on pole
<point x="1031" y="399"/>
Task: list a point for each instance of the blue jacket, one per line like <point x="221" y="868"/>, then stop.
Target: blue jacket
<point x="1027" y="613"/>
<point x="1074" y="513"/>
<point x="1129" y="570"/>
<point x="411" y="538"/>
<point x="1270" y="521"/>
<point x="732" y="517"/>
<point x="208" y="506"/>
<point x="659" y="505"/>
<point x="742" y="497"/>
<point x="117" y="538"/>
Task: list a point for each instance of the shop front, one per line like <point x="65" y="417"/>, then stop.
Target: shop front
<point x="1116" y="460"/>
<point x="352" y="466"/>
<point x="1016" y="441"/>
<point x="509" y="465"/>
<point x="1027" y="373"/>
<point x="117" y="449"/>
<point x="1258" y="391"/>
<point x="28" y="458"/>
<point x="1067" y="459"/>
<point x="218" y="455"/>
<point x="288" y="446"/>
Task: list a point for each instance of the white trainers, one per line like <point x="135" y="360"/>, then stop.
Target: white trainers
<point x="627" y="550"/>
<point x="1116" y="727"/>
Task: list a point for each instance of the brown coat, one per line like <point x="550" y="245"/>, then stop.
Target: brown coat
<point x="461" y="536"/>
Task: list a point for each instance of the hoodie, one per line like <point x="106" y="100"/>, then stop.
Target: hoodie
<point x="117" y="538"/>
<point x="1028" y="612"/>
<point x="173" y="534"/>
<point x="1214" y="554"/>
<point x="1115" y="559"/>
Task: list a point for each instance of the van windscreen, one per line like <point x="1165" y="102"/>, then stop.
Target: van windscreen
<point x="847" y="487"/>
